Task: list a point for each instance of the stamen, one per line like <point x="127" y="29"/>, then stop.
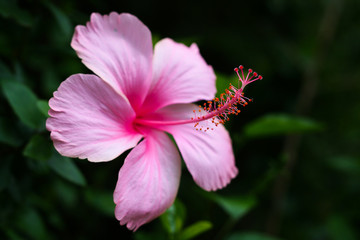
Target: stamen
<point x="219" y="110"/>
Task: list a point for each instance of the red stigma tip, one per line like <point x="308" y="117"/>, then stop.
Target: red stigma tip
<point x="260" y="77"/>
<point x="250" y="70"/>
<point x="236" y="69"/>
<point x="255" y="74"/>
<point x="241" y="67"/>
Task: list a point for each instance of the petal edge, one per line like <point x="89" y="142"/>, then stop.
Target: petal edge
<point x="85" y="120"/>
<point x="148" y="181"/>
<point x="118" y="48"/>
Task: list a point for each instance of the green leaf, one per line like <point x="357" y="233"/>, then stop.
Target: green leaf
<point x="24" y="103"/>
<point x="340" y="229"/>
<point x="101" y="200"/>
<point x="174" y="217"/>
<point x="195" y="229"/>
<point x="10" y="9"/>
<point x="12" y="235"/>
<point x="280" y="124"/>
<point x="39" y="148"/>
<point x="66" y="168"/>
<point x="8" y="133"/>
<point x="61" y="18"/>
<point x="43" y="107"/>
<point x="250" y="236"/>
<point x="155" y="38"/>
<point x="235" y="206"/>
<point x="31" y="223"/>
<point x="66" y="192"/>
<point x="345" y="164"/>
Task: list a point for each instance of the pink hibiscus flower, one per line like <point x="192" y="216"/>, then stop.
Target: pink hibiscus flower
<point x="140" y="94"/>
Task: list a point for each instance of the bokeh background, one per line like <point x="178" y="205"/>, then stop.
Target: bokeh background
<point x="296" y="146"/>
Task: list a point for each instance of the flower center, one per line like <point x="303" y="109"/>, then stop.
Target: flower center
<point x="217" y="111"/>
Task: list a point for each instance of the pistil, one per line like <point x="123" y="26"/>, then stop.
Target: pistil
<point x="218" y="110"/>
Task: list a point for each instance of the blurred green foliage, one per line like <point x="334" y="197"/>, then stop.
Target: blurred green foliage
<point x="279" y="124"/>
<point x="296" y="145"/>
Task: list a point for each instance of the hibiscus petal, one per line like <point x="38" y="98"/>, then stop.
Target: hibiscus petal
<point x="89" y="119"/>
<point x="180" y="75"/>
<point x="208" y="155"/>
<point x="148" y="181"/>
<point x="118" y="48"/>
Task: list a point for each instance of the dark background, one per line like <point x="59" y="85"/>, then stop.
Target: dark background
<point x="296" y="146"/>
